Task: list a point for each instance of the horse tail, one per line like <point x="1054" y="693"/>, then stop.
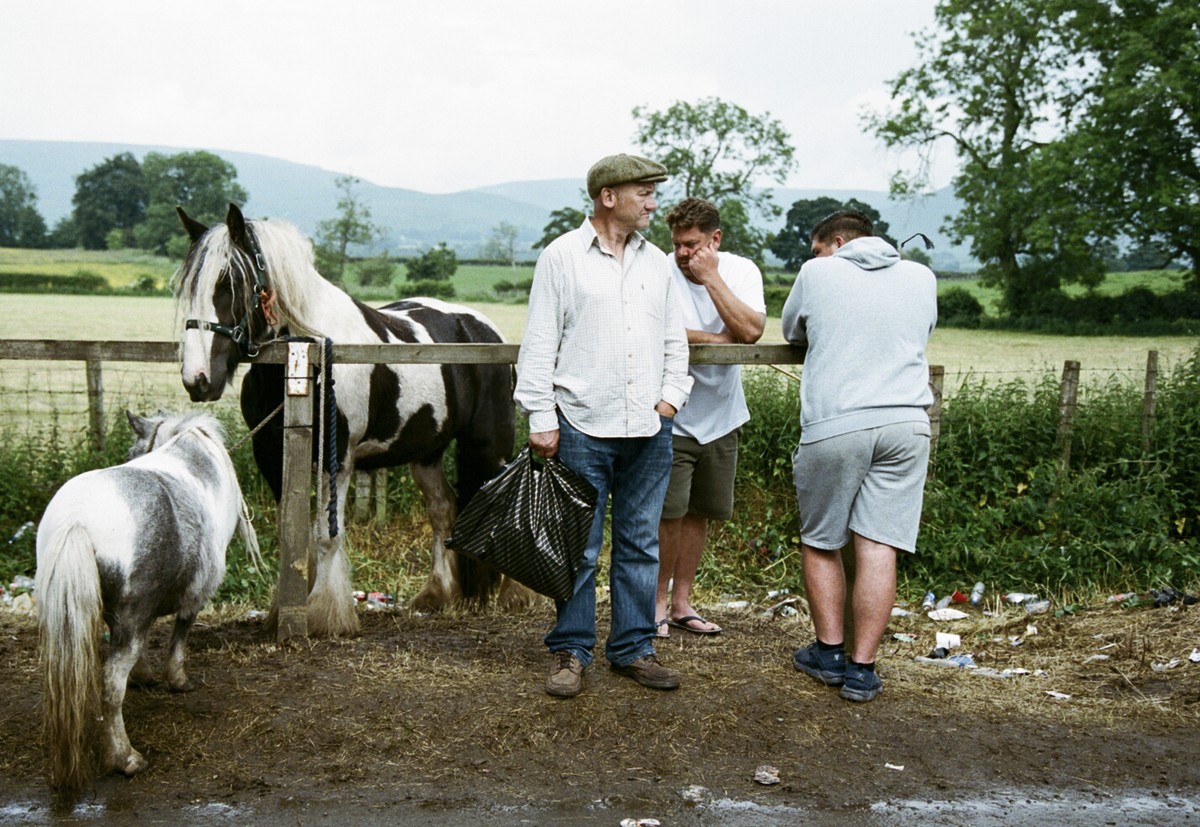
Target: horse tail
<point x="70" y="620"/>
<point x="475" y="465"/>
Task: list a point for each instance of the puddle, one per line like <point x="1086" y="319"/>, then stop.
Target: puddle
<point x="1000" y="809"/>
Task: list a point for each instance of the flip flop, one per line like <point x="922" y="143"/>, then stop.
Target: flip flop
<point x="684" y="623"/>
<point x="659" y="631"/>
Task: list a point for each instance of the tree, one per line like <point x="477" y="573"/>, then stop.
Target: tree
<point x="110" y="195"/>
<point x="717" y="150"/>
<point x="376" y="271"/>
<point x="999" y="81"/>
<point x="201" y="182"/>
<point x="793" y="243"/>
<point x="562" y="220"/>
<point x="502" y="246"/>
<point x="21" y="225"/>
<point x="435" y="264"/>
<point x="1135" y="144"/>
<point x="429" y="274"/>
<point x="352" y="226"/>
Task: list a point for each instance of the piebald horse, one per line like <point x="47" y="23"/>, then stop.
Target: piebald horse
<point x="247" y="282"/>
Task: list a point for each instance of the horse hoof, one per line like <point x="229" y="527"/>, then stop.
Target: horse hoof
<point x="428" y="602"/>
<point x="132" y="764"/>
<point x="181" y="686"/>
<point x="515" y="596"/>
<point x="321" y="624"/>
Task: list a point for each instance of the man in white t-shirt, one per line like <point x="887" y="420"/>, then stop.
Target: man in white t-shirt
<point x="721" y="297"/>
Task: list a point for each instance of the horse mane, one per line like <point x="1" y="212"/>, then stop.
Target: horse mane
<point x="290" y="273"/>
<point x="193" y="420"/>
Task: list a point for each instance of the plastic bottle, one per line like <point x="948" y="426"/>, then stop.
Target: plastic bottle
<point x="1019" y="597"/>
<point x="977" y="594"/>
<point x="945" y="601"/>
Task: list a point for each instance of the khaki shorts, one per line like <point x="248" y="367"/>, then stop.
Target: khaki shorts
<point x="868" y="482"/>
<point x="702" y="478"/>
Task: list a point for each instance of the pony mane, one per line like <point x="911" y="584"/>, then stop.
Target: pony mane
<point x="193" y="420"/>
<point x="290" y="273"/>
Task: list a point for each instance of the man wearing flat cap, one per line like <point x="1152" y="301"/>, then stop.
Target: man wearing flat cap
<point x="602" y="370"/>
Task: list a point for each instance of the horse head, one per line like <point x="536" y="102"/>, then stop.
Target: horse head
<point x="145" y="432"/>
<point x="223" y="301"/>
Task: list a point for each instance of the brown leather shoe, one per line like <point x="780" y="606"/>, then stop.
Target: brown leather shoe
<point x="566" y="675"/>
<point x="649" y="672"/>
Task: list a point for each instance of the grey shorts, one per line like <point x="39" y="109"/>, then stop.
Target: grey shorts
<point x="702" y="478"/>
<point x="868" y="482"/>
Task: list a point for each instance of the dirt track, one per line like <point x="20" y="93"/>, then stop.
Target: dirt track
<point x="442" y="720"/>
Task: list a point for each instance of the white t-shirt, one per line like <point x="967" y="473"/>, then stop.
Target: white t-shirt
<point x="717" y="404"/>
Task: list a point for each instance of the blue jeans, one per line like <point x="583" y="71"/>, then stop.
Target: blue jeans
<point x="635" y="471"/>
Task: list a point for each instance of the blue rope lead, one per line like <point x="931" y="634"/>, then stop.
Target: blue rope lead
<point x="330" y="439"/>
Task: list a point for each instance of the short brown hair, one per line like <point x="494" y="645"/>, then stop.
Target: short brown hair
<point x="694" y="212"/>
<point x="849" y="224"/>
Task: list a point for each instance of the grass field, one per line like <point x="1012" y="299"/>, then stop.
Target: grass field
<point x="988" y="356"/>
<point x="119" y="268"/>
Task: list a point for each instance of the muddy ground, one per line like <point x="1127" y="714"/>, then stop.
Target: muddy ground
<point x="443" y="720"/>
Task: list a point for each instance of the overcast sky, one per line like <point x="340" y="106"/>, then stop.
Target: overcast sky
<point x="453" y="94"/>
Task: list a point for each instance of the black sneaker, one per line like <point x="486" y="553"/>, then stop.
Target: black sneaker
<point x="861" y="685"/>
<point x="827" y="667"/>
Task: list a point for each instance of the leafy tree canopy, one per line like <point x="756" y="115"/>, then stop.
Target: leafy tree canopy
<point x="352" y="226"/>
<point x="562" y="220"/>
<point x="21" y="225"/>
<point x="717" y="150"/>
<point x="202" y="183"/>
<point x="1136" y="146"/>
<point x="998" y="82"/>
<point x="793" y="243"/>
<point x="435" y="264"/>
<point x="110" y="195"/>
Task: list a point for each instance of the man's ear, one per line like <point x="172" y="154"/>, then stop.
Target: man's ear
<point x="716" y="239"/>
<point x="838" y="241"/>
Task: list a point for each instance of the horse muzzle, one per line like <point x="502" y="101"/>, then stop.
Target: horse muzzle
<point x="202" y="389"/>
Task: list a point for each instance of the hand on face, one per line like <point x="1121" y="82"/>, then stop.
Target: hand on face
<point x="703" y="264"/>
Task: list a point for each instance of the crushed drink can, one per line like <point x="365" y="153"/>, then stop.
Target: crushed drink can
<point x="930" y="600"/>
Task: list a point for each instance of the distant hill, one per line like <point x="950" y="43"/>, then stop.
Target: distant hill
<point x="414" y="221"/>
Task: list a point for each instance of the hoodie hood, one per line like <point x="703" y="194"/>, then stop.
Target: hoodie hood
<point x="869" y="253"/>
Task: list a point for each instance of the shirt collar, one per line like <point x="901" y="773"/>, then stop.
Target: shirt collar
<point x="589" y="237"/>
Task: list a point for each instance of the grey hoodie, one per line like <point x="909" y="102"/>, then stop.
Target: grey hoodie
<point x="866" y="316"/>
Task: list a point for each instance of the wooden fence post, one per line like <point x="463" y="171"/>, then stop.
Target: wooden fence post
<point x="362" y="496"/>
<point x="368" y="484"/>
<point x="937" y="381"/>
<point x="1068" y="403"/>
<point x="380" y="477"/>
<point x="1148" y="401"/>
<point x="295" y="524"/>
<point x="95" y="392"/>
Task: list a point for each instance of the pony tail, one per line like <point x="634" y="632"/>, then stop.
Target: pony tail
<point x="70" y="623"/>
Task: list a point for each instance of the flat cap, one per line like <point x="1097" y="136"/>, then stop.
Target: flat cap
<point x="623" y="169"/>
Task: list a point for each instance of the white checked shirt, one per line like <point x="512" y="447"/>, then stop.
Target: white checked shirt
<point x="604" y="340"/>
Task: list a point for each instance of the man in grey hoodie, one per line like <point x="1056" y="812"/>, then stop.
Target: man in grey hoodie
<point x="865" y="316"/>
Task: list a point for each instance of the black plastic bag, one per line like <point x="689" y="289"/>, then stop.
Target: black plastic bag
<point x="531" y="523"/>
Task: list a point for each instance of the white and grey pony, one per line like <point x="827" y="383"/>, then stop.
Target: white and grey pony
<point x="120" y="547"/>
